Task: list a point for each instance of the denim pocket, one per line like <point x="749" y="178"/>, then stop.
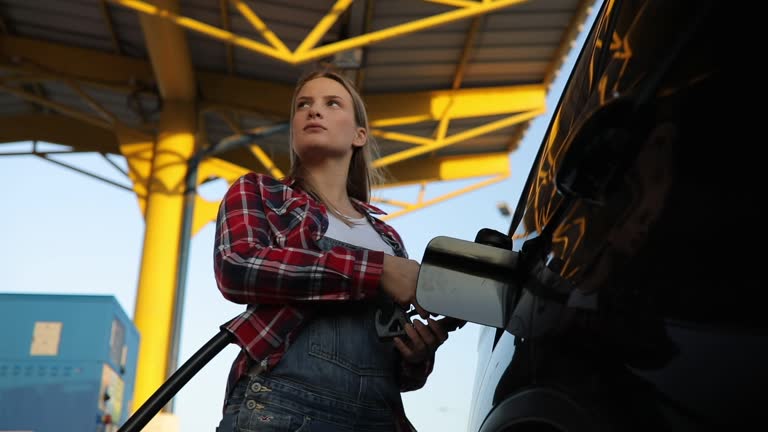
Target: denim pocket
<point x="261" y="412"/>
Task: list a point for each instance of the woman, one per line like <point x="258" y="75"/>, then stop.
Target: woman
<point x="313" y="263"/>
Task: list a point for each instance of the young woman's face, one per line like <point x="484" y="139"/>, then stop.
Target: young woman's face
<point x="324" y="121"/>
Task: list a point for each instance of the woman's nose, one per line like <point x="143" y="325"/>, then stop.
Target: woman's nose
<point x="312" y="113"/>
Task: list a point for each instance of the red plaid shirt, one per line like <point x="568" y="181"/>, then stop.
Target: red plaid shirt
<point x="266" y="255"/>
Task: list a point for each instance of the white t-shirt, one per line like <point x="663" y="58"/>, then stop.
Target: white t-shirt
<point x="361" y="234"/>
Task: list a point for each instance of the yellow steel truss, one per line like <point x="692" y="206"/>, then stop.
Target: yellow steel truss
<point x="41" y="62"/>
<point x="307" y="50"/>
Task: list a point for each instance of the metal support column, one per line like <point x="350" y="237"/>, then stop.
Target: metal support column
<point x="157" y="280"/>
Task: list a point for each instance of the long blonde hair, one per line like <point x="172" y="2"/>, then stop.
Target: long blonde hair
<point x="361" y="176"/>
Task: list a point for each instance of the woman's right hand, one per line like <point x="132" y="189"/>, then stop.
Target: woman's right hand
<point x="398" y="280"/>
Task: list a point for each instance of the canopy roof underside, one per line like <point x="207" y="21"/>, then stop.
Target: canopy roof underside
<point x="451" y="85"/>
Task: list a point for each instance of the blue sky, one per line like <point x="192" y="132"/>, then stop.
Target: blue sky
<point x="66" y="233"/>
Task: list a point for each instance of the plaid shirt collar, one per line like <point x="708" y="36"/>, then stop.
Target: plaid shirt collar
<point x="359" y="205"/>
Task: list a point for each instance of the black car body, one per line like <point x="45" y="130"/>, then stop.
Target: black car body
<point x="636" y="293"/>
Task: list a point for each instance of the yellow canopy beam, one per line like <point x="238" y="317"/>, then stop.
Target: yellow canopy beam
<point x="171" y="16"/>
<point x="322" y="27"/>
<point x="403" y="29"/>
<point x="457" y="3"/>
<point x="221" y="91"/>
<point x="437" y="144"/>
<point x="384" y="109"/>
<point x="57" y="129"/>
<point x="60" y="108"/>
<point x="107" y="17"/>
<point x="420" y="204"/>
<point x="307" y="51"/>
<point x="447" y="168"/>
<point x="74" y="113"/>
<point x="169" y="53"/>
<point x="389" y="110"/>
<point x="260" y="26"/>
<point x="82" y="64"/>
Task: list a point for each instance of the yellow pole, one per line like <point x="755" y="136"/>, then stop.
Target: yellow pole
<point x="157" y="280"/>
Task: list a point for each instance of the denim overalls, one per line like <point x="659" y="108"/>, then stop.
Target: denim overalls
<point x="336" y="376"/>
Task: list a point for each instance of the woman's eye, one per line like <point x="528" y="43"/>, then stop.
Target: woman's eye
<point x="302" y="105"/>
<point x="333" y="103"/>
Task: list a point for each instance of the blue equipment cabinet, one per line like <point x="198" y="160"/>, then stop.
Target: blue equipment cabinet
<point x="67" y="363"/>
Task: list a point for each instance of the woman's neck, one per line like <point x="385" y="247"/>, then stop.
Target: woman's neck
<point x="331" y="184"/>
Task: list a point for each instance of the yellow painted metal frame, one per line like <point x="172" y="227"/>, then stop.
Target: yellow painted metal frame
<point x="430" y="145"/>
<point x="96" y="68"/>
<point x="62" y="130"/>
<point x="158" y="299"/>
<point x="307" y="50"/>
<point x="220" y="92"/>
<point x="108" y="123"/>
<point x="385" y="111"/>
<point x="269" y="165"/>
<point x="420" y="203"/>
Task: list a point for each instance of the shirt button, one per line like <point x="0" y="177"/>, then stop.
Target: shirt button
<point x="255" y="387"/>
<point x="251" y="404"/>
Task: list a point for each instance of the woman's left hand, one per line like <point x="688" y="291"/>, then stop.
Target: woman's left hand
<point x="424" y="339"/>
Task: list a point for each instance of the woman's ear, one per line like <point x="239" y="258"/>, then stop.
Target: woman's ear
<point x="361" y="136"/>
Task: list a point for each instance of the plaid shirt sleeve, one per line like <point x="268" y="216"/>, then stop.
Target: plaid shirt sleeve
<point x="411" y="376"/>
<point x="260" y="258"/>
